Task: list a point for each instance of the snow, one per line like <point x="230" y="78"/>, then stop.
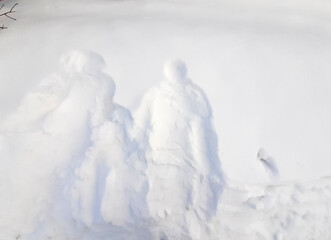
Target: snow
<point x="231" y="142"/>
<point x="175" y="120"/>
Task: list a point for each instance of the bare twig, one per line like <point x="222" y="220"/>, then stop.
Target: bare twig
<point x="7" y="14"/>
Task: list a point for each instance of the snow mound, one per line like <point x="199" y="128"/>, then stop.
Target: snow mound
<point x="102" y="170"/>
<point x="173" y="124"/>
<point x="110" y="185"/>
<point x="293" y="210"/>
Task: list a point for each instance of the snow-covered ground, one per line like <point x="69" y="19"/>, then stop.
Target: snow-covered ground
<point x="234" y="145"/>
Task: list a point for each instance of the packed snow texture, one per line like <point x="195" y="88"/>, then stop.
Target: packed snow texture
<point x="158" y="171"/>
<point x="174" y="120"/>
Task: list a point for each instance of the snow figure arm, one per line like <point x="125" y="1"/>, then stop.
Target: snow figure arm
<point x="199" y="130"/>
<point x="37" y="104"/>
<point x="204" y="149"/>
<point x="199" y="146"/>
<point x="123" y="119"/>
<point x="142" y="121"/>
<point x="202" y="192"/>
<point x="103" y="100"/>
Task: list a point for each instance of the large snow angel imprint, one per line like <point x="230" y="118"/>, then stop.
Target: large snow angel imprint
<point x="173" y="125"/>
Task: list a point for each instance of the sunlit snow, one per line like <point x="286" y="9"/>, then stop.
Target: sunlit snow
<point x="165" y="120"/>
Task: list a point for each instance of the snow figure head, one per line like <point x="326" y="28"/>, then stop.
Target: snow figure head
<point x="175" y="71"/>
<point x="82" y="61"/>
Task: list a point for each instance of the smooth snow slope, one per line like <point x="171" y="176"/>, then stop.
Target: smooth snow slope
<point x="263" y="65"/>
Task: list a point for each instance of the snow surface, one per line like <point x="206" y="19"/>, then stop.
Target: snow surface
<point x="241" y="151"/>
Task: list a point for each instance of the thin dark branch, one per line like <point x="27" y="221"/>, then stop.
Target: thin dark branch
<point x="9" y="12"/>
<point x="13" y="7"/>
